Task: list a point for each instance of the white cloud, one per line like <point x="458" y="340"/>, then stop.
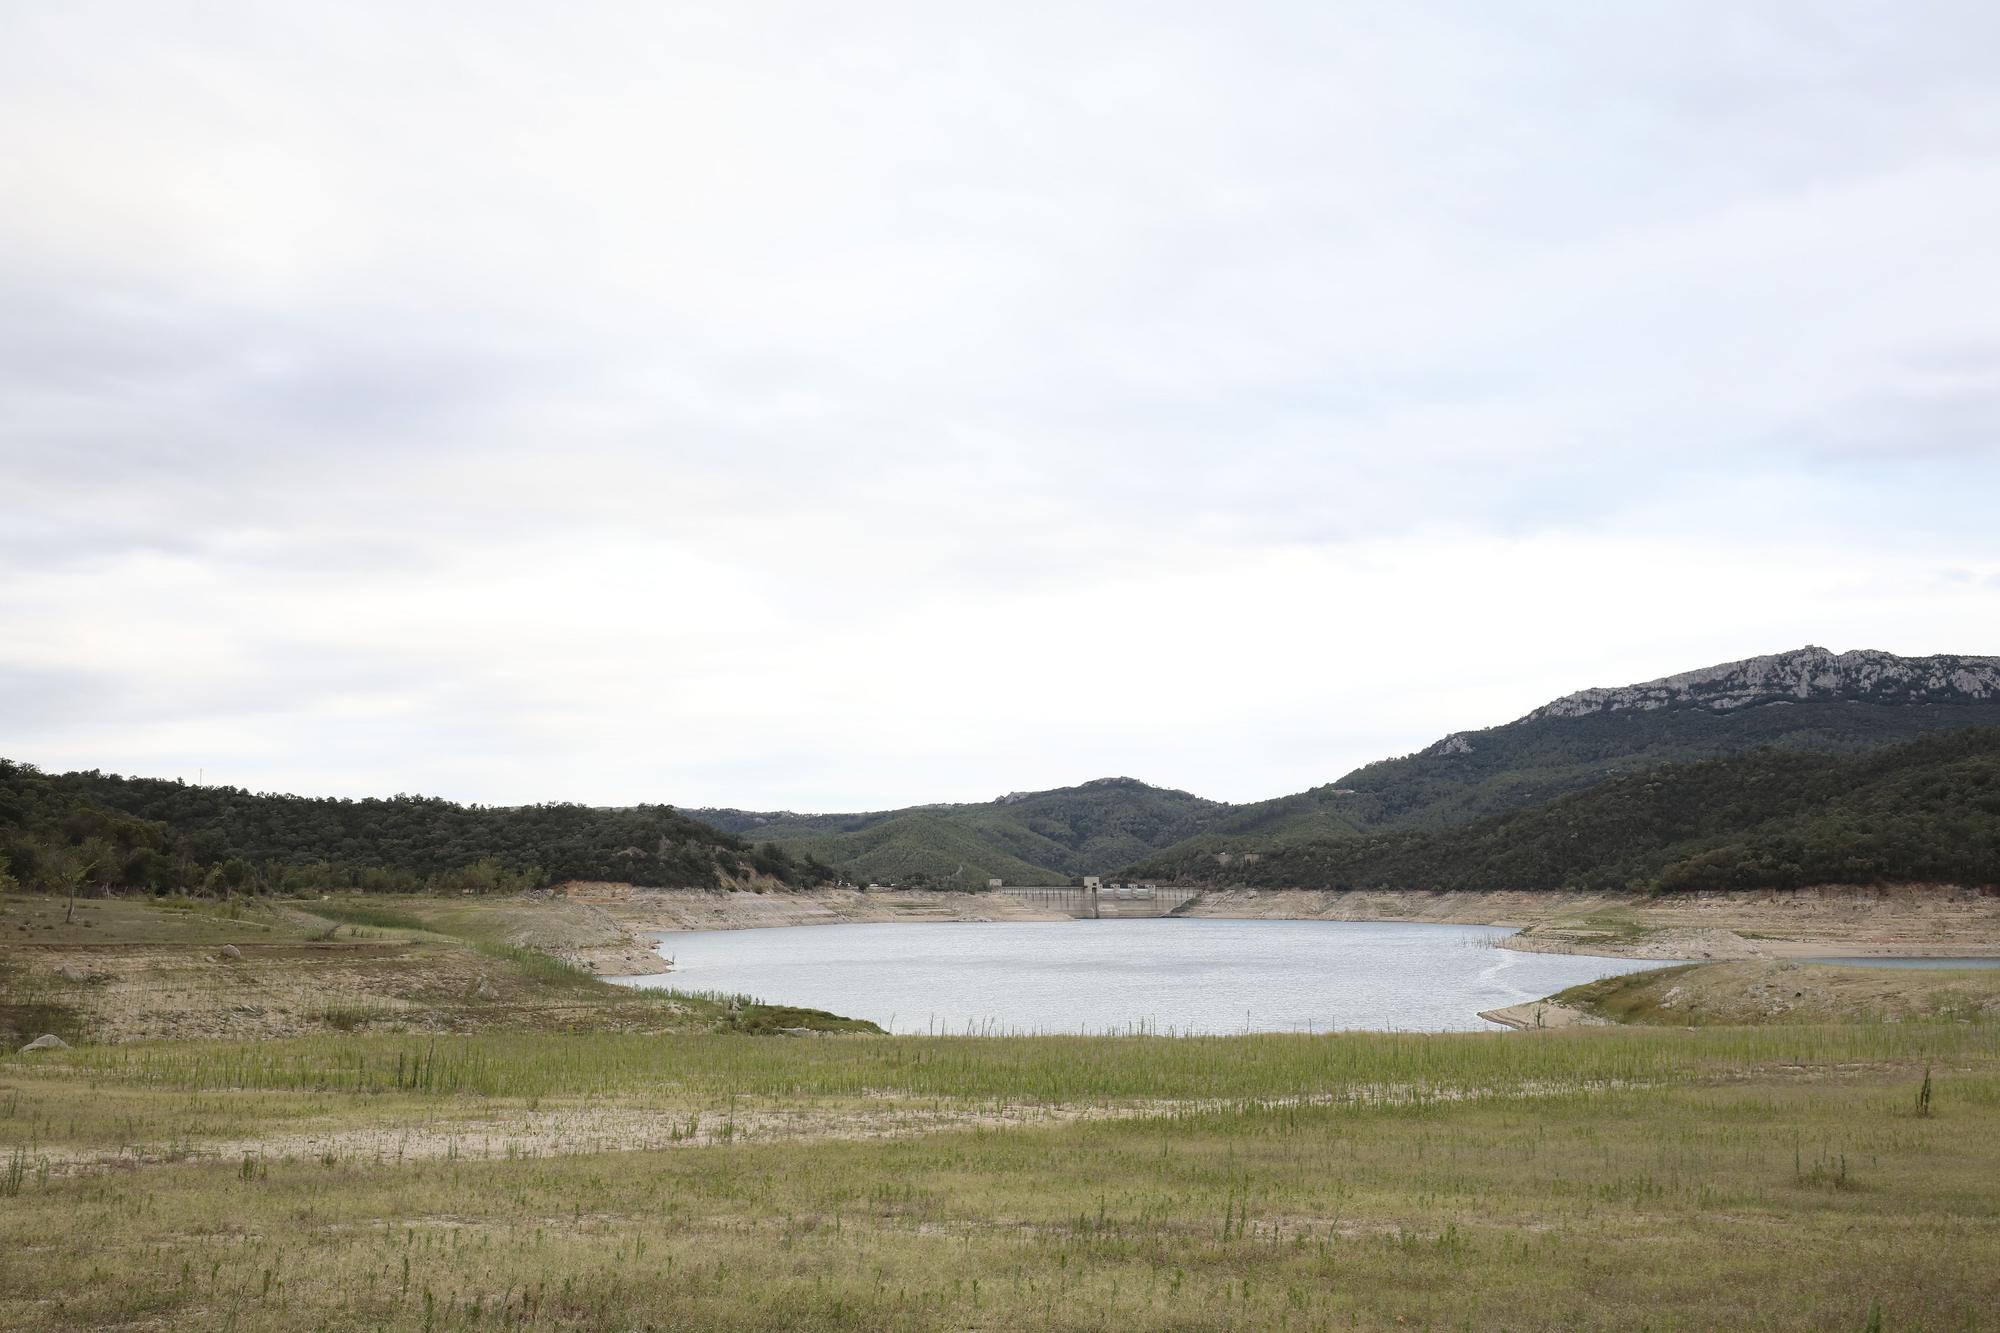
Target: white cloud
<point x="824" y="407"/>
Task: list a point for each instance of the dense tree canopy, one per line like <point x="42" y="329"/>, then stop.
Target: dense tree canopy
<point x="100" y="828"/>
<point x="1928" y="810"/>
<point x="1042" y="837"/>
<point x="1104" y="827"/>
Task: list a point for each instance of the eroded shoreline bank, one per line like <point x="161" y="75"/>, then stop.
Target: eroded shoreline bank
<point x="1903" y="921"/>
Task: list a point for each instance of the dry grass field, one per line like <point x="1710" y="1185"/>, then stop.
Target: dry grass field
<point x="1782" y="992"/>
<point x="1781" y="1177"/>
<point x="129" y="969"/>
<point x="563" y="1155"/>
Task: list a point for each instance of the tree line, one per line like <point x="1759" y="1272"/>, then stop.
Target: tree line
<point x="59" y="832"/>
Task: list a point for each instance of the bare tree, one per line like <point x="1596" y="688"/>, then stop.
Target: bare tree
<point x="64" y="869"/>
<point x="73" y="867"/>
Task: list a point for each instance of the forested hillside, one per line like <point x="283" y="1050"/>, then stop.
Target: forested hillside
<point x="1502" y="768"/>
<point x="1807" y="708"/>
<point x="1025" y="838"/>
<point x="1808" y="699"/>
<point x="1926" y="810"/>
<point x="921" y="849"/>
<point x="59" y="830"/>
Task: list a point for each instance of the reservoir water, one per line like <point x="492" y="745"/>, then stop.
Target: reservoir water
<point x="1158" y="975"/>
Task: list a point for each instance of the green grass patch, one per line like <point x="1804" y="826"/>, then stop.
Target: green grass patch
<point x="1618" y="999"/>
<point x="1765" y="992"/>
<point x="1044" y="1069"/>
<point x="1744" y="1191"/>
<point x="355" y="913"/>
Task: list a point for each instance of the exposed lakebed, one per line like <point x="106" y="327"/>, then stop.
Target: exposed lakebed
<point x="1924" y="964"/>
<point x="1170" y="976"/>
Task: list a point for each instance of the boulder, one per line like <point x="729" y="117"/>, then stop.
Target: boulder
<point x="48" y="1041"/>
<point x="484" y="990"/>
<point x="231" y="952"/>
<point x="72" y="973"/>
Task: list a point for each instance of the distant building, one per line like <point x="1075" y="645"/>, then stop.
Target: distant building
<point x="1090" y="882"/>
<point x="992" y="883"/>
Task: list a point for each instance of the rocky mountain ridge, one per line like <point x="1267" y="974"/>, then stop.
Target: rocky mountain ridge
<point x="1810" y="672"/>
<point x="1809" y="699"/>
<point x="1925" y="811"/>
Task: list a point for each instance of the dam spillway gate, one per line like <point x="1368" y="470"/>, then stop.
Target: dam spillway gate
<point x="1109" y="901"/>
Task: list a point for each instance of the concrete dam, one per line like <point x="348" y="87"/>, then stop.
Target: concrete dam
<point x="1107" y="901"/>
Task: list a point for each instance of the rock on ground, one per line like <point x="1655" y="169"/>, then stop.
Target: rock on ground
<point x="48" y="1041"/>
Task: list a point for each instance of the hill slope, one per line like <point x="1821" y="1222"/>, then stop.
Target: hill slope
<point x="1809" y="699"/>
<point x="920" y="848"/>
<point x="157" y="833"/>
<point x="1024" y="837"/>
<point x="97" y="828"/>
<point x="1924" y="811"/>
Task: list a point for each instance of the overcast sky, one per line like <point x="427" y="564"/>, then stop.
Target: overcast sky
<point x="832" y="406"/>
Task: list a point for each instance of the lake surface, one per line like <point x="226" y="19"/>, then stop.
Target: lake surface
<point x="1158" y="975"/>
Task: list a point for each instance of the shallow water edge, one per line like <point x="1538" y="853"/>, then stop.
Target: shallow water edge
<point x="1177" y="976"/>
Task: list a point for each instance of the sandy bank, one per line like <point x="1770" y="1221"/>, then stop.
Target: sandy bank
<point x="1904" y="920"/>
<point x="1778" y="991"/>
<point x="1542" y="1016"/>
<point x="1912" y="920"/>
<point x="1604" y="925"/>
<point x="666" y="911"/>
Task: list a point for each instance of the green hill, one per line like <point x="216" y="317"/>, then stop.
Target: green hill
<point x="1808" y="702"/>
<point x="1805" y="700"/>
<point x="1324" y="812"/>
<point x="1041" y="837"/>
<point x="920" y="848"/>
<point x="1923" y="811"/>
<point x="103" y="829"/>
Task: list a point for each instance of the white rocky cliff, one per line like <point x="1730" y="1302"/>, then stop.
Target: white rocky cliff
<point x="1804" y="673"/>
